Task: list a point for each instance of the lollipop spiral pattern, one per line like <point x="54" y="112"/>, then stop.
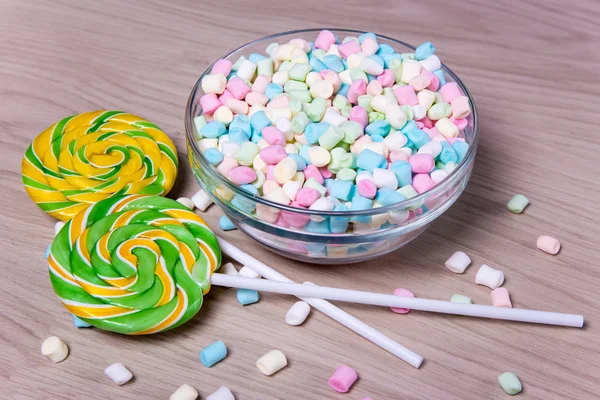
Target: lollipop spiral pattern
<point x="88" y="157"/>
<point x="134" y="264"/>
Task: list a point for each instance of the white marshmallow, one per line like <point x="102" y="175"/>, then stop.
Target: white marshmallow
<point x="247" y="272"/>
<point x="291" y="188"/>
<point x="297" y="314"/>
<point x="322" y="204"/>
<point x="363" y="175"/>
<point x="398" y="217"/>
<point x="207" y="143"/>
<point x="489" y="277"/>
<point x="214" y="83"/>
<point x="186" y="202"/>
<point x="321" y="89"/>
<point x="395" y="115"/>
<point x="433" y="148"/>
<point x="229" y="149"/>
<point x="246" y="70"/>
<point x="333" y="49"/>
<point x="185" y="392"/>
<point x="354" y="60"/>
<point x="458" y="262"/>
<point x="438" y="175"/>
<point x="345" y="77"/>
<point x="395" y="140"/>
<point x="371" y="67"/>
<point x="58" y="226"/>
<point x="201" y="200"/>
<point x="431" y="63"/>
<point x="280" y="77"/>
<point x="377" y="147"/>
<point x="380" y="102"/>
<point x="426" y="98"/>
<point x="410" y="69"/>
<point x="223" y="115"/>
<point x="223" y="393"/>
<point x="271" y="362"/>
<point x="118" y="373"/>
<point x="419" y="112"/>
<point x="332" y="117"/>
<point x="55" y="349"/>
<point x="406" y="151"/>
<point x="312" y="77"/>
<point x="228" y="269"/>
<point x="385" y="178"/>
<point x="285" y="126"/>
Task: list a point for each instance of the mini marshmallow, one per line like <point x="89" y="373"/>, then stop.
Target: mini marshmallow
<point x="248" y="272"/>
<point x="517" y="204"/>
<point x="118" y="373"/>
<point x="510" y="383"/>
<point x="343" y="378"/>
<point x="385" y="178"/>
<point x="501" y="298"/>
<point x="459" y="298"/>
<point x="55" y="349"/>
<point x="297" y="314"/>
<point x="489" y="277"/>
<point x="271" y="362"/>
<point x="223" y="393"/>
<point x="228" y="269"/>
<point x="458" y="262"/>
<point x="58" y="226"/>
<point x="201" y="200"/>
<point x="213" y="353"/>
<point x="185" y="392"/>
<point x="186" y="202"/>
<point x="548" y="244"/>
<point x="214" y="83"/>
<point x="402" y="293"/>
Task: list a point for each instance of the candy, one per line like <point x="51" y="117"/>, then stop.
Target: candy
<point x="548" y="244"/>
<point x="184" y="392"/>
<point x="91" y="264"/>
<point x="501" y="298"/>
<point x="247" y="296"/>
<point x="223" y="393"/>
<point x="201" y="200"/>
<point x="297" y="314"/>
<point x="489" y="277"/>
<point x="510" y="383"/>
<point x="458" y="262"/>
<point x="229" y="269"/>
<point x="242" y="175"/>
<point x="226" y="224"/>
<point x="213" y="353"/>
<point x="342" y="379"/>
<point x="271" y="362"/>
<point x="459" y="298"/>
<point x="55" y="349"/>
<point x="402" y="293"/>
<point x="92" y="156"/>
<point x="118" y="373"/>
<point x="385" y="178"/>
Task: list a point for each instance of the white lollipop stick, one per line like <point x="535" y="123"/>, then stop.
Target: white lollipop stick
<point x="388" y="300"/>
<point x="324" y="306"/>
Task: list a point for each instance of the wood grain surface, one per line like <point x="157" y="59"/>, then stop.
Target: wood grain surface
<point x="533" y="69"/>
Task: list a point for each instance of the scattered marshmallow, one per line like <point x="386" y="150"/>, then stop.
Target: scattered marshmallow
<point x="58" y="226"/>
<point x="458" y="262"/>
<point x="229" y="269"/>
<point x="247" y="272"/>
<point x="222" y="394"/>
<point x="459" y="298"/>
<point x="55" y="349"/>
<point x="185" y="392"/>
<point x="201" y="200"/>
<point x="297" y="313"/>
<point x="402" y="293"/>
<point x="186" y="202"/>
<point x="118" y="373"/>
<point x="501" y="298"/>
<point x="548" y="244"/>
<point x="517" y="204"/>
<point x="510" y="383"/>
<point x="489" y="277"/>
<point x="271" y="362"/>
<point x="343" y="378"/>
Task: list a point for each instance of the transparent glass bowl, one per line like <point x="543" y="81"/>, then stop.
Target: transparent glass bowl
<point x="281" y="228"/>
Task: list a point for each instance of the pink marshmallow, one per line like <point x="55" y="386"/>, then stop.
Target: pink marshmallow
<point x="358" y="88"/>
<point x="460" y="107"/>
<point x="313" y="172"/>
<point x="397" y="155"/>
<point x="254" y="98"/>
<point x="369" y="46"/>
<point x="279" y="101"/>
<point x="400" y="292"/>
<point x="461" y="123"/>
<point x="273" y="154"/>
<point x="420" y="125"/>
<point x="422" y="182"/>
<point x="226" y="165"/>
<point x="269" y="186"/>
<point x="386" y="79"/>
<point x="324" y="40"/>
<point x="422" y="163"/>
<point x="427" y="123"/>
<point x="343" y="378"/>
<point x="281" y="222"/>
<point x="260" y="83"/>
<point x="323" y="73"/>
<point x="435" y="81"/>
<point x="431" y="132"/>
<point x="335" y="80"/>
<point x="242" y="175"/>
<point x="348" y="48"/>
<point x="270" y="172"/>
<point x="221" y="67"/>
<point x="359" y="114"/>
<point x="307" y="196"/>
<point x="450" y="91"/>
<point x="420" y="82"/>
<point x="272" y="135"/>
<point x="501" y="298"/>
<point x="325" y="172"/>
<point x="210" y="103"/>
<point x="294" y="219"/>
<point x="406" y="95"/>
<point x="367" y="188"/>
<point x="548" y="244"/>
<point x="225" y="96"/>
<point x="238" y="88"/>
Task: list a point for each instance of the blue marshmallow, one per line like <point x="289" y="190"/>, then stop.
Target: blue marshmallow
<point x="304" y="152"/>
<point x="461" y="149"/>
<point x="403" y="171"/>
<point x="213" y="353"/>
<point x="247" y="296"/>
<point x="213" y="156"/>
<point x="362" y="37"/>
<point x="341" y="189"/>
<point x="213" y="129"/>
<point x="272" y="90"/>
<point x="387" y="197"/>
<point x="242" y="203"/>
<point x="388" y="57"/>
<point x="369" y="160"/>
<point x="425" y="50"/>
<point x="377" y="138"/>
<point x="344" y="89"/>
<point x="316" y="64"/>
<point x="380" y="127"/>
<point x="377" y="59"/>
<point x="300" y="162"/>
<point x="339" y="224"/>
<point x="418" y="137"/>
<point x="385" y="49"/>
<point x="333" y="62"/>
<point x="241" y="122"/>
<point x="409" y="126"/>
<point x="254" y="57"/>
<point x="79" y="323"/>
<point x="314" y="130"/>
<point x="440" y="74"/>
<point x="259" y="121"/>
<point x="226" y="224"/>
<point x="317" y="227"/>
<point x="448" y="154"/>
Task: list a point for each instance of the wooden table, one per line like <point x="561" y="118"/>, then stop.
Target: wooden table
<point x="532" y="68"/>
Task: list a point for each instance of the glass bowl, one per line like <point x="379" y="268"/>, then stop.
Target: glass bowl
<point x="302" y="234"/>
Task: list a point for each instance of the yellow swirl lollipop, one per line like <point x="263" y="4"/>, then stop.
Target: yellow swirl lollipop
<point x="88" y="157"/>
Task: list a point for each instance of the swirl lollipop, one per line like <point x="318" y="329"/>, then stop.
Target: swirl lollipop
<point x="134" y="264"/>
<point x="88" y="157"/>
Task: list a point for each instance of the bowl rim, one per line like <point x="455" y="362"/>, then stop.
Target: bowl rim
<point x="460" y="169"/>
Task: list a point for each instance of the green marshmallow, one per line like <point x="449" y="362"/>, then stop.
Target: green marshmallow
<point x="336" y="156"/>
<point x="395" y="63"/>
<point x="348" y="160"/>
<point x="264" y="67"/>
<point x="316" y="110"/>
<point x="314" y="184"/>
<point x="451" y="166"/>
<point x="285" y="66"/>
<point x="357" y="73"/>
<point x="271" y="47"/>
<point x="352" y="131"/>
<point x="340" y="102"/>
<point x="246" y="153"/>
<point x="301" y="95"/>
<point x="459" y="298"/>
<point x="440" y="165"/>
<point x="299" y="123"/>
<point x="407" y="56"/>
<point x="295" y="105"/>
<point x="294" y="85"/>
<point x="319" y="53"/>
<point x="517" y="204"/>
<point x="365" y="102"/>
<point x="408" y="191"/>
<point x="375" y="116"/>
<point x="510" y="383"/>
<point x="439" y="110"/>
<point x="409" y="112"/>
<point x="260" y="179"/>
<point x="199" y="122"/>
<point x="345" y="111"/>
<point x="332" y="136"/>
<point x="345" y="146"/>
<point x="397" y="71"/>
<point x="236" y="65"/>
<point x="299" y="71"/>
<point x="346" y="174"/>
